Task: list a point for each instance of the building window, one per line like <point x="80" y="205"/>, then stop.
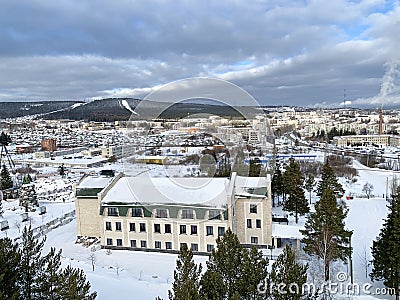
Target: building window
<point x="142" y="227"/>
<point x="187" y="214"/>
<point x="254" y="240"/>
<point x="221" y="231"/>
<point x="182" y="229"/>
<point x="258" y="223"/>
<point x="183" y="244"/>
<point x="168" y="245"/>
<point x="133" y="243"/>
<point x="195" y="247"/>
<point x="108" y="226"/>
<point x="210" y="247"/>
<point x="248" y="223"/>
<point x="143" y="244"/>
<point x="157" y="244"/>
<point x="214" y="215"/>
<point x="109" y="242"/>
<point x="119" y="242"/>
<point x="118" y="226"/>
<point x="157" y="228"/>
<point x="193" y="229"/>
<point x="161" y="213"/>
<point x="253" y="208"/>
<point x="132" y="227"/>
<point x="137" y="212"/>
<point x="167" y="228"/>
<point x="209" y="230"/>
<point x="112" y="211"/>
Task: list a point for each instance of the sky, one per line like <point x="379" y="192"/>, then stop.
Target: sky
<point x="282" y="52"/>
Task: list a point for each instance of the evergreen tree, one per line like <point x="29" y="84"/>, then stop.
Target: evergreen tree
<point x="253" y="272"/>
<point x="386" y="249"/>
<point x="31" y="264"/>
<point x="276" y="184"/>
<point x="287" y="273"/>
<point x="61" y="170"/>
<point x="51" y="276"/>
<point x="256" y="168"/>
<point x="9" y="269"/>
<point x="212" y="286"/>
<point x="74" y="285"/>
<point x="232" y="271"/>
<point x="186" y="277"/>
<point x="325" y="235"/>
<point x="226" y="261"/>
<point x="296" y="201"/>
<point x="329" y="180"/>
<point x="5" y="179"/>
<point x="309" y="185"/>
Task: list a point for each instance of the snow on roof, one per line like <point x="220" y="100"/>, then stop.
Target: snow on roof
<point x="243" y="183"/>
<point x="95" y="182"/>
<point x="188" y="191"/>
<point x="286" y="231"/>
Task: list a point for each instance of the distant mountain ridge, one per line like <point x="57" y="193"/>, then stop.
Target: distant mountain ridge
<point x="114" y="109"/>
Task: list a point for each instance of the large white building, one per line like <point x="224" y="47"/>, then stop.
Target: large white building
<point x="161" y="214"/>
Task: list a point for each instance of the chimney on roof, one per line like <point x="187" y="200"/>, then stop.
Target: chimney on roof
<point x="380" y="121"/>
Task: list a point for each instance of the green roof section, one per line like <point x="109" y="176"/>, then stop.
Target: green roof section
<point x="87" y="192"/>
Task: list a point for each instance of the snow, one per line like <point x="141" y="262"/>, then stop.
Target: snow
<point x="287" y="231"/>
<point x="143" y="189"/>
<point x="142" y="275"/>
<point x="95" y="182"/>
<point x="126" y="105"/>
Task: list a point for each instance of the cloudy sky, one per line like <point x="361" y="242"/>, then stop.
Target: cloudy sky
<point x="302" y="52"/>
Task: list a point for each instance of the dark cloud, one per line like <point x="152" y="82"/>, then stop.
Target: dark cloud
<point x="287" y="52"/>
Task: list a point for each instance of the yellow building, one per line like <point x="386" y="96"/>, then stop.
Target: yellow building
<point x="161" y="214"/>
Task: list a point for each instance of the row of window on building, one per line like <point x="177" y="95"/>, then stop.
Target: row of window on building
<point x="168" y="228"/>
<point x="167" y="245"/>
<point x="164" y="213"/>
<point x="157" y="244"/>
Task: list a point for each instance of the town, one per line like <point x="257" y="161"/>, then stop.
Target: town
<point x="127" y="191"/>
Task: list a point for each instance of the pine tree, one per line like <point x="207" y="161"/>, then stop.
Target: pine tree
<point x="61" y="170"/>
<point x="9" y="269"/>
<point x="296" y="201"/>
<point x="226" y="261"/>
<point x="186" y="277"/>
<point x="276" y="184"/>
<point x="325" y="235"/>
<point x="233" y="272"/>
<point x="254" y="270"/>
<point x="386" y="249"/>
<point x="74" y="285"/>
<point x="51" y="276"/>
<point x="5" y="179"/>
<point x="329" y="180"/>
<point x="287" y="273"/>
<point x="31" y="264"/>
<point x="309" y="185"/>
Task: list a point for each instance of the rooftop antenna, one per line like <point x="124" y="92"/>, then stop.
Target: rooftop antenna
<point x="344" y="98"/>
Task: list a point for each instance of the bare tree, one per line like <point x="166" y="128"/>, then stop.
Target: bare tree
<point x="17" y="225"/>
<point x="367" y="189"/>
<point x="92" y="259"/>
<point x="118" y="268"/>
<point x="365" y="259"/>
